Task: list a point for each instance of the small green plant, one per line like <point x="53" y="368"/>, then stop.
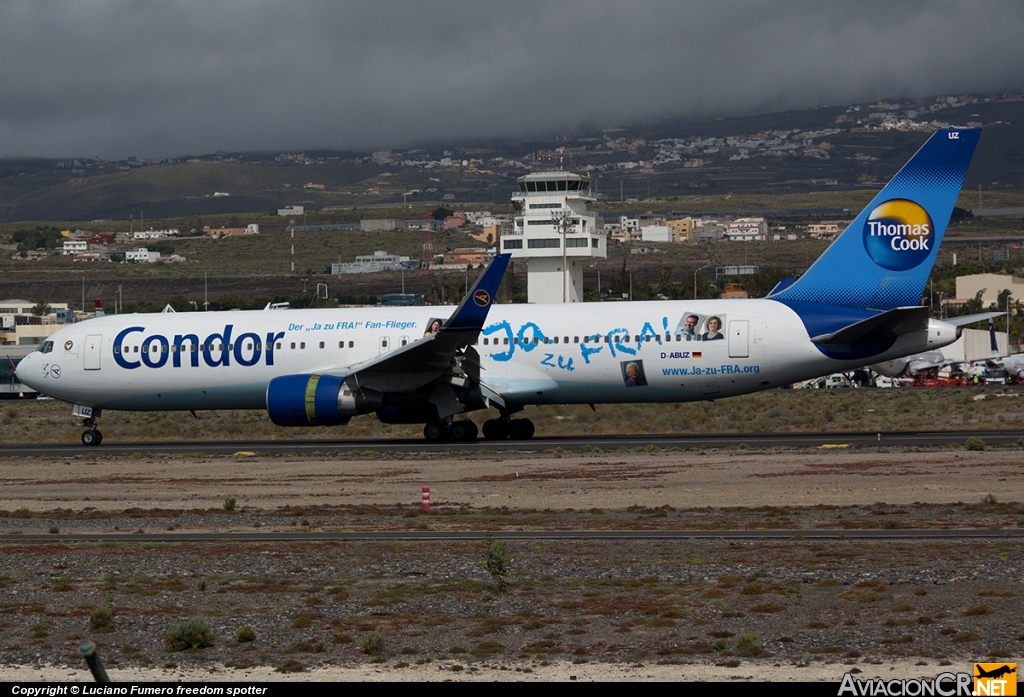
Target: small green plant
<point x="974" y="443"/>
<point x="193" y="633"/>
<point x="229" y="503"/>
<point x="497" y="562"/>
<point x="245" y="634"/>
<point x="988" y="500"/>
<point x="102" y="618"/>
<point x="372" y="643"/>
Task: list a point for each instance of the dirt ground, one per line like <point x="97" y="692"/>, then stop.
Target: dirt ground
<point x="596" y="610"/>
<point x="555" y="480"/>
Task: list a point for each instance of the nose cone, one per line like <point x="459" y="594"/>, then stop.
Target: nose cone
<point x="28" y="371"/>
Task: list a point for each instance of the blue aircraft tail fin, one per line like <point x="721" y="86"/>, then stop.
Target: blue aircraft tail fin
<point x="883" y="259"/>
<point x="472" y="311"/>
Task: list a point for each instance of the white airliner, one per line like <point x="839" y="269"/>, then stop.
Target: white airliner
<point x="858" y="304"/>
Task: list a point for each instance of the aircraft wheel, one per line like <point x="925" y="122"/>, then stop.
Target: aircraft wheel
<point x="495" y="429"/>
<point x="92" y="437"/>
<point x="435" y="432"/>
<point x="520" y="429"/>
<point x="465" y="431"/>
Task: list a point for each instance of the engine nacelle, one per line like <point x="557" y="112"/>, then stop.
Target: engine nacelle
<point x="311" y="400"/>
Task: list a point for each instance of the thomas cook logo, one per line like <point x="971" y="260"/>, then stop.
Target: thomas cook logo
<point x="995" y="678"/>
<point x="899" y="234"/>
<point x="482" y="298"/>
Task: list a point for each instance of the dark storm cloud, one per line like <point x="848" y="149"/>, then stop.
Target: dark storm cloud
<point x="169" y="78"/>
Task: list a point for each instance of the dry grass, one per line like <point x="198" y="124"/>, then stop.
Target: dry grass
<point x="782" y="410"/>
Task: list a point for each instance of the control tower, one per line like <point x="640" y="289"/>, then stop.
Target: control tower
<point x="555" y="233"/>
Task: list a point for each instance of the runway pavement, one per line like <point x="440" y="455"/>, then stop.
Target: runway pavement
<point x="537" y="444"/>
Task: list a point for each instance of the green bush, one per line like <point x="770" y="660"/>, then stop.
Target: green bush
<point x="101" y="618"/>
<point x="245" y="634"/>
<point x="229" y="503"/>
<point x="191" y="634"/>
<point x="974" y="443"/>
<point x="372" y="643"/>
<point x="496" y="561"/>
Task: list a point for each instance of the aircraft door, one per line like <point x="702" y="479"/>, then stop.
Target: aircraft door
<point x="739" y="344"/>
<point x="385" y="344"/>
<point x="93" y="345"/>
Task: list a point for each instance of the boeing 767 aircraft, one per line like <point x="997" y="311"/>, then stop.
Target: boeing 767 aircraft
<point x="859" y="303"/>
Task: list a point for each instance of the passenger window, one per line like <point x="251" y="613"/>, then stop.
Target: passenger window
<point x="556" y="339"/>
<point x="575" y="340"/>
<point x="136" y="349"/>
<point x="293" y="344"/>
<point x="351" y="344"/>
<point x="341" y="344"/>
<point x="321" y="344"/>
<point x="506" y="341"/>
<point x="117" y="349"/>
<point x="566" y="340"/>
<point x="278" y="344"/>
<point x="302" y="344"/>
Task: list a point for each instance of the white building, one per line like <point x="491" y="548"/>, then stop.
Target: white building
<point x="555" y="233"/>
<point x="155" y="234"/>
<point x="291" y="210"/>
<point x="747" y="230"/>
<point x="656" y="233"/>
<point x="141" y="256"/>
<point x="75" y="246"/>
<point x="375" y="263"/>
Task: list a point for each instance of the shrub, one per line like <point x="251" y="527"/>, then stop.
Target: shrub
<point x="229" y="503"/>
<point x="245" y="634"/>
<point x="496" y="561"/>
<point x="974" y="443"/>
<point x="101" y="618"/>
<point x="372" y="643"/>
<point x="191" y="634"/>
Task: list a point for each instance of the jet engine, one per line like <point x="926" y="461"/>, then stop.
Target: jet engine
<point x="315" y="400"/>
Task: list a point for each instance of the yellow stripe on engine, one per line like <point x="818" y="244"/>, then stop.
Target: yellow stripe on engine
<point x="311" y="399"/>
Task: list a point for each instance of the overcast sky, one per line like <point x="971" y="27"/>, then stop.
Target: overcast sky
<point x="164" y="79"/>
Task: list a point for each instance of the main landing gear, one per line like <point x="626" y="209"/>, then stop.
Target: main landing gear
<point x="465" y="431"/>
<point x="516" y="429"/>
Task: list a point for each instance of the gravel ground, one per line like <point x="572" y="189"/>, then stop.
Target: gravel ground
<point x="688" y="609"/>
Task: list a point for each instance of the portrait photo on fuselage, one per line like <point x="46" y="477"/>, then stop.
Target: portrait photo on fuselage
<point x="713" y="328"/>
<point x="433" y="326"/>
<point x="633" y="374"/>
<point x="688" y="324"/>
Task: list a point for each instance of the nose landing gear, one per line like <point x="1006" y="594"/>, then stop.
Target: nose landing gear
<point x="91" y="436"/>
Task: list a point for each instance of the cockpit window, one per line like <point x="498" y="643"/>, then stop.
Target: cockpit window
<point x="46" y="347"/>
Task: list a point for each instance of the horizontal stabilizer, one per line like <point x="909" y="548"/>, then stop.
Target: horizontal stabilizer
<point x="902" y="320"/>
<point x="971" y="319"/>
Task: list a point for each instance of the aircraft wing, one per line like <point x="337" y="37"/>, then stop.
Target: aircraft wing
<point x="425" y="360"/>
